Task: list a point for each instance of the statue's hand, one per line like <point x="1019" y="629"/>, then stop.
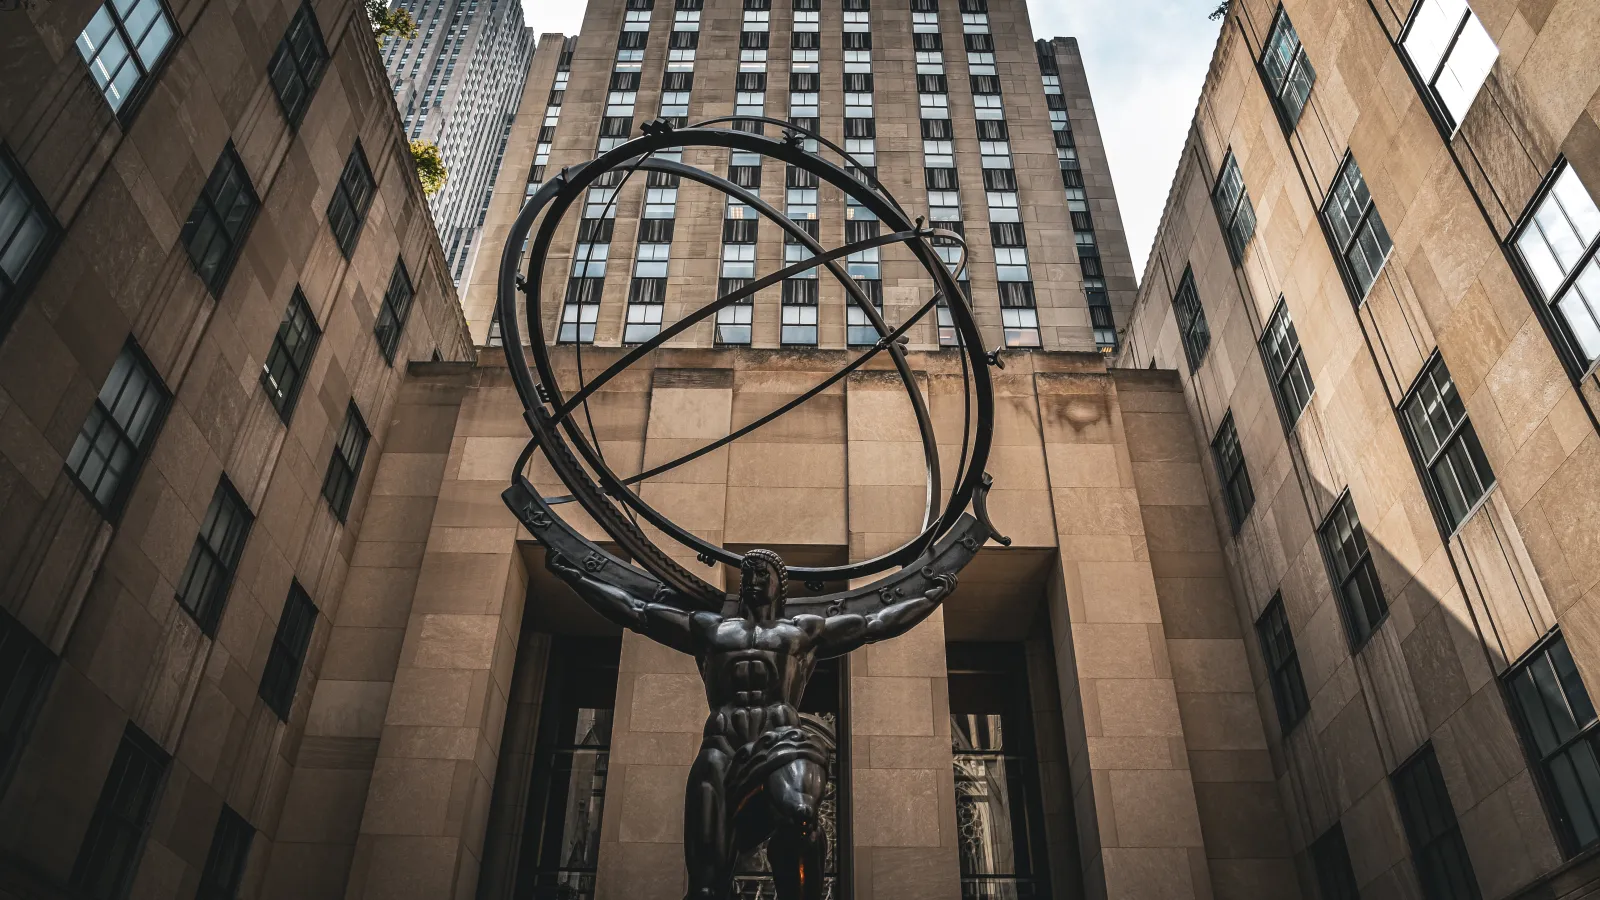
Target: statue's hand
<point x="561" y="567"/>
<point x="943" y="585"/>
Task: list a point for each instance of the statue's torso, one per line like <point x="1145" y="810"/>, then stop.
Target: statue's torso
<point x="755" y="675"/>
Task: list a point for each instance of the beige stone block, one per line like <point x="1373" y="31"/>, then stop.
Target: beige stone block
<point x="671" y="703"/>
<point x="1135" y="707"/>
<point x="886" y="463"/>
<point x="1085" y="466"/>
<point x="1149" y="874"/>
<point x="772" y="516"/>
<point x="400" y="867"/>
<point x="409" y="796"/>
<point x="409" y="475"/>
<point x="472" y="540"/>
<point x="1171" y="484"/>
<point x="652" y="804"/>
<point x="1122" y="592"/>
<point x="898" y="807"/>
<point x="1155" y="808"/>
<point x="348" y="708"/>
<point x="1115" y="651"/>
<point x="489" y="458"/>
<point x="452" y="642"/>
<point x="430" y="697"/>
<point x="891" y="706"/>
<point x="1209" y="666"/>
<point x="790" y="465"/>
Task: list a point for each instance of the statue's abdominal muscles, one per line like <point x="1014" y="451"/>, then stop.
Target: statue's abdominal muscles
<point x="751" y="699"/>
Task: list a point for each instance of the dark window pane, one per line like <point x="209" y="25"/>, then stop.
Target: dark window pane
<point x="1286" y="364"/>
<point x="203" y="590"/>
<point x="289" y="643"/>
<point x="1437" y="423"/>
<point x="297" y="66"/>
<point x="352" y="197"/>
<point x="1559" y="730"/>
<point x="215" y="231"/>
<point x="284" y="372"/>
<point x="1235" y="479"/>
<point x="344" y="467"/>
<point x="396" y="308"/>
<point x="1330" y="858"/>
<point x="1283" y="665"/>
<point x="225" y="861"/>
<point x="118" y="431"/>
<point x="26" y="666"/>
<point x="1437" y="850"/>
<point x="27" y="232"/>
<point x="1354" y="576"/>
<point x="1192" y="328"/>
<point x="115" y="839"/>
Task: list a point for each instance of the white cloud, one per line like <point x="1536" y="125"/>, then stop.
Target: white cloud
<point x="1146" y="61"/>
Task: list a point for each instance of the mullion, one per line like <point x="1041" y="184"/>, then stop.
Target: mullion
<point x="1444" y="58"/>
<point x="1584" y="259"/>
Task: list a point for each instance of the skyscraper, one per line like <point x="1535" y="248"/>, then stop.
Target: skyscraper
<point x="457" y="84"/>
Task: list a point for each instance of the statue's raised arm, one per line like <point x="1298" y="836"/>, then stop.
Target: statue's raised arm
<point x="843" y="633"/>
<point x="658" y="621"/>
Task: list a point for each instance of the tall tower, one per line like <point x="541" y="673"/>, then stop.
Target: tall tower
<point x="457" y="84"/>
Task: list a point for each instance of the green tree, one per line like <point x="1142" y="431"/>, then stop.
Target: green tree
<point x="386" y="22"/>
<point x="430" y="166"/>
<point x="1220" y="12"/>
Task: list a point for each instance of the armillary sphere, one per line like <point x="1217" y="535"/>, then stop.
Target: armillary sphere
<point x="949" y="536"/>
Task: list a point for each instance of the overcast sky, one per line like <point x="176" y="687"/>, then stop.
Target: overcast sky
<point x="1146" y="61"/>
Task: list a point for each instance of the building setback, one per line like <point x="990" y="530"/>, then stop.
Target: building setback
<point x="456" y="85"/>
<point x="1376" y="278"/>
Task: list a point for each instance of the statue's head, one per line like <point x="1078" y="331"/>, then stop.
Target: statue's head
<point x="763" y="579"/>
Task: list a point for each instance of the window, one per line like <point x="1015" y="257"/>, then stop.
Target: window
<point x="1452" y="54"/>
<point x="1330" y="860"/>
<point x="799" y="313"/>
<point x="203" y="590"/>
<point x="104" y="44"/>
<point x="1234" y="212"/>
<point x="111" y="848"/>
<point x="1020" y="326"/>
<point x="1558" y="244"/>
<point x="733" y="322"/>
<point x="27" y="231"/>
<point x="571" y="759"/>
<point x="1283" y="665"/>
<point x="1355" y="578"/>
<point x="1437" y="850"/>
<point x="352" y="197"/>
<point x="225" y="861"/>
<point x="289" y="643"/>
<point x="1191" y="317"/>
<point x="284" y="372"/>
<point x="344" y="467"/>
<point x="999" y="817"/>
<point x="395" y="310"/>
<point x="1558" y="728"/>
<point x="296" y="69"/>
<point x="221" y="217"/>
<point x="1447" y="445"/>
<point x="1237" y="494"/>
<point x="118" y="431"/>
<point x="1361" y="242"/>
<point x="1288" y="73"/>
<point x="26" y="666"/>
<point x="1286" y="364"/>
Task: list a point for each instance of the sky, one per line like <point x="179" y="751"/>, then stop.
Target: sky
<point x="1146" y="61"/>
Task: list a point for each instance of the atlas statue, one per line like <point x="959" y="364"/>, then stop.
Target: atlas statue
<point x="762" y="768"/>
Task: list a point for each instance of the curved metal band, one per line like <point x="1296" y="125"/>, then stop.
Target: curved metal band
<point x="559" y="194"/>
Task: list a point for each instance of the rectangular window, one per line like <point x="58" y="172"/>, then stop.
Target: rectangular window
<point x="26" y="666"/>
<point x="1437" y="851"/>
<point x="395" y="310"/>
<point x="1288" y="73"/>
<point x="122" y="45"/>
<point x="1445" y="441"/>
<point x="27" y="231"/>
<point x="1330" y="860"/>
<point x="225" y="861"/>
<point x="799" y="314"/>
<point x="1558" y="728"/>
<point x="1020" y="325"/>
<point x="282" y="674"/>
<point x="1286" y="364"/>
<point x="344" y="466"/>
<point x="1191" y="317"/>
<point x="1237" y="494"/>
<point x="1355" y="578"/>
<point x="203" y="590"/>
<point x="296" y="68"/>
<point x="1452" y="54"/>
<point x="284" y="372"/>
<point x="1283" y="665"/>
<point x="1234" y="213"/>
<point x="999" y="814"/>
<point x="118" y="431"/>
<point x="216" y="229"/>
<point x="1558" y="243"/>
<point x="111" y="848"/>
<point x="352" y="197"/>
<point x="1361" y="242"/>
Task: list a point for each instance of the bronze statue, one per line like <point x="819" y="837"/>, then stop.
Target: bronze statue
<point x="762" y="767"/>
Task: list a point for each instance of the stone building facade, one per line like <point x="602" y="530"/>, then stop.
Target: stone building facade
<point x="1362" y="279"/>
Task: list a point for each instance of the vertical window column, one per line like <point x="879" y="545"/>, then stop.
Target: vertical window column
<point x="552" y="115"/>
<point x="738" y="259"/>
<point x="860" y="133"/>
<point x="1094" y="278"/>
<point x="938" y="152"/>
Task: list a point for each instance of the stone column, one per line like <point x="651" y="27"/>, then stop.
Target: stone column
<point x="661" y="706"/>
<point x="423" y="827"/>
<point x="903" y="787"/>
<point x="1137" y="821"/>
